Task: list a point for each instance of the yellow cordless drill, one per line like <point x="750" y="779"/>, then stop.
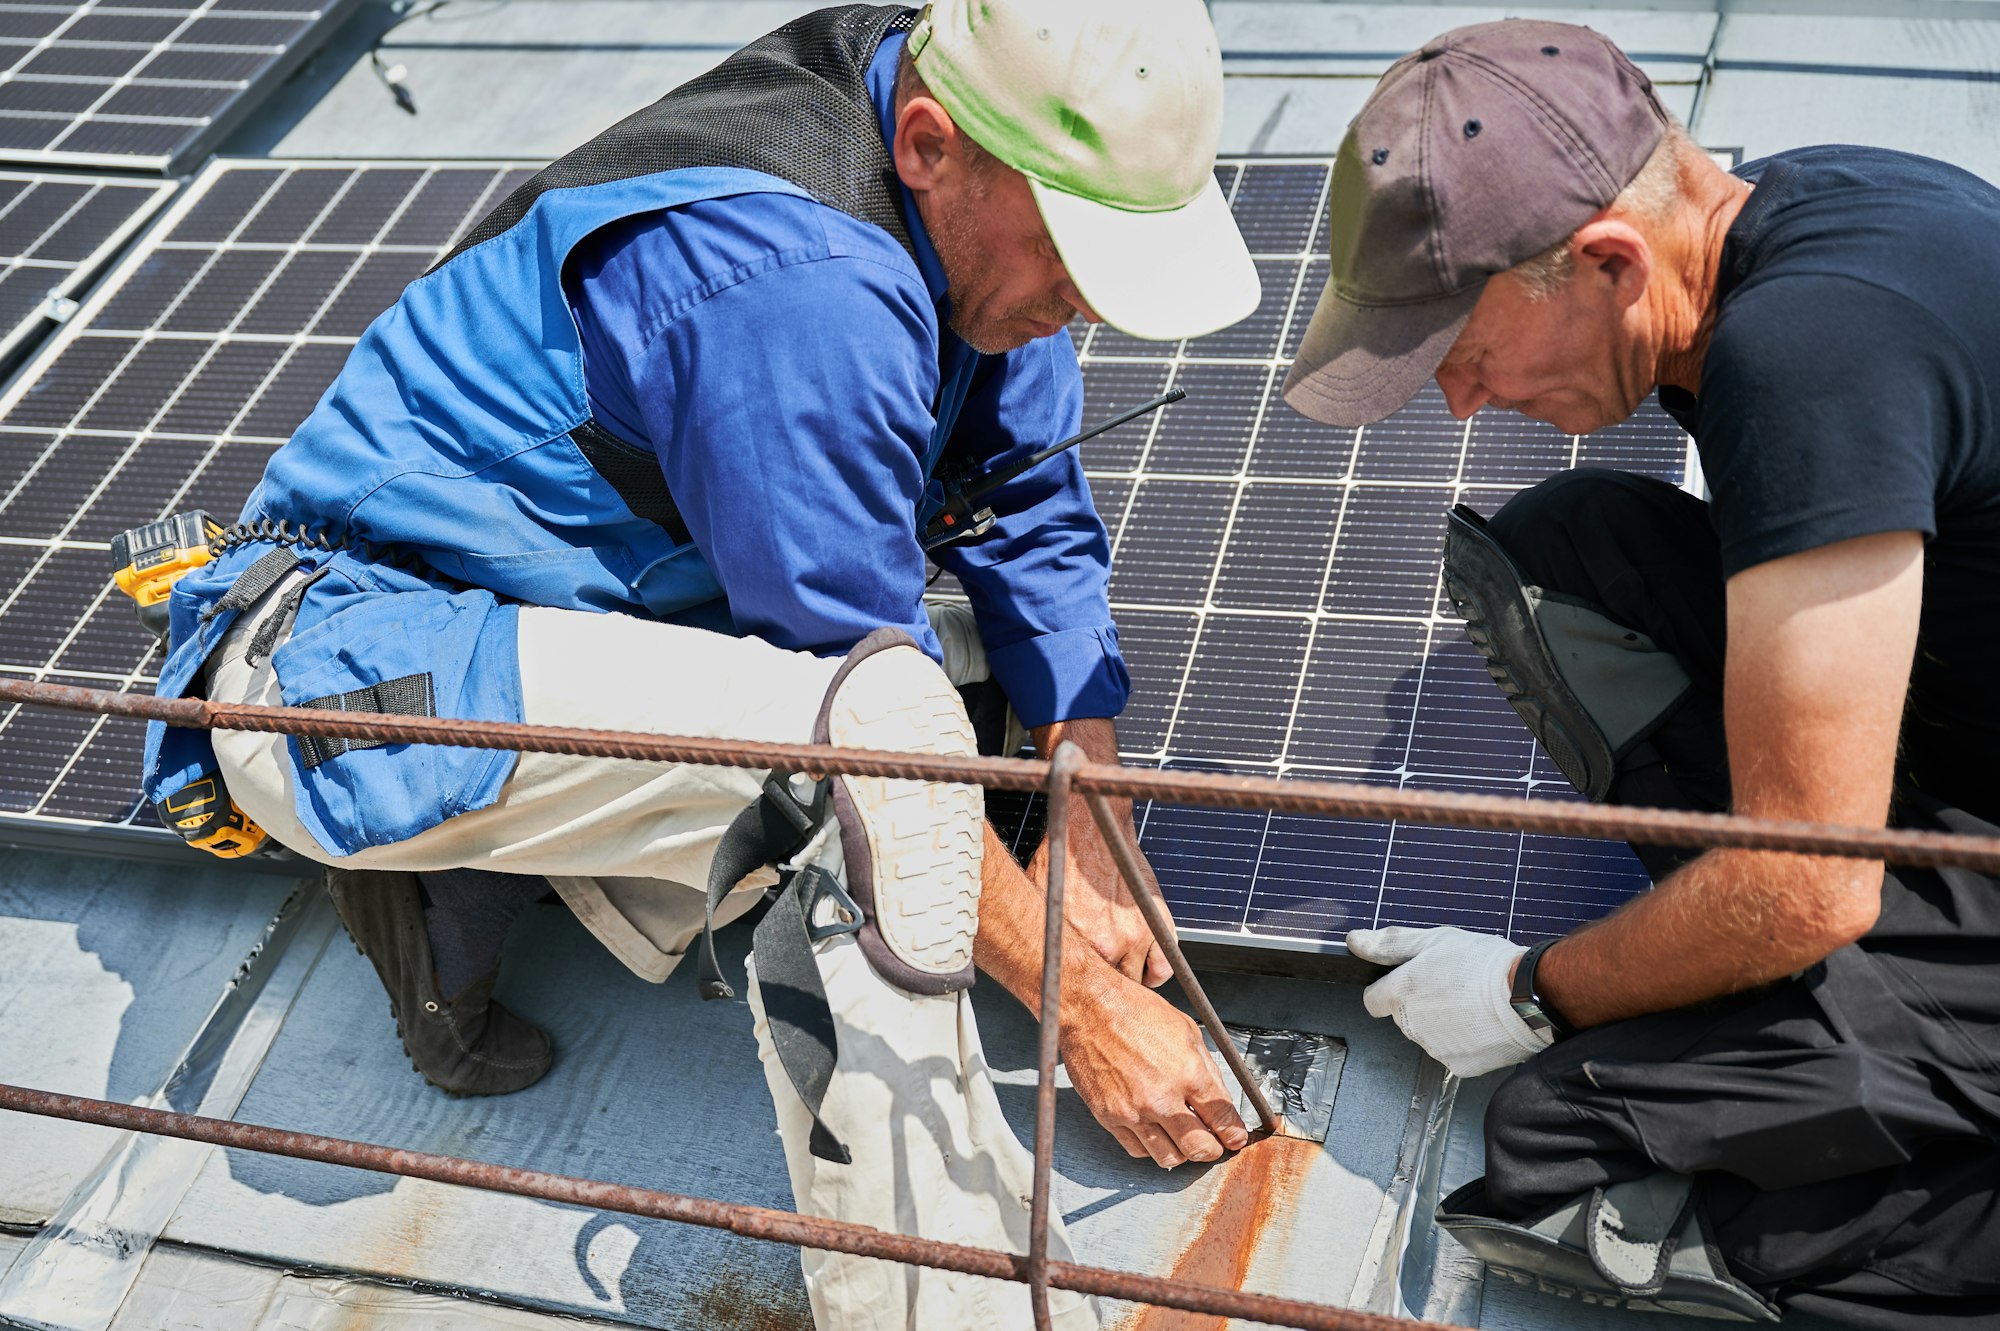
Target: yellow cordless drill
<point x="146" y="562"/>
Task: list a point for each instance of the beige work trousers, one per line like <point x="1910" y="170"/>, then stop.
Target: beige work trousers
<point x="628" y="846"/>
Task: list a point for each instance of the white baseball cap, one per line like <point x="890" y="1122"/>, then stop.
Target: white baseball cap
<point x="1113" y="110"/>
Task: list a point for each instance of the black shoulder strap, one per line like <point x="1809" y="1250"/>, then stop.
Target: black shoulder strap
<point x="793" y="104"/>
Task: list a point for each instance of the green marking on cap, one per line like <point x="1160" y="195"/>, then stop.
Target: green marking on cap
<point x="1079" y="127"/>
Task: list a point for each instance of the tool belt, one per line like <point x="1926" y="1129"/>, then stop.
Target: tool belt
<point x="149" y="560"/>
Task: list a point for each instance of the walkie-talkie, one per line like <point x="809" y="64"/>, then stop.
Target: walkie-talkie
<point x="963" y="516"/>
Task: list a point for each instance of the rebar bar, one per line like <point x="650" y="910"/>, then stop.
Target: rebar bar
<point x="755" y="1222"/>
<point x="1658" y="827"/>
<point x="1162" y="924"/>
<point x="1063" y="765"/>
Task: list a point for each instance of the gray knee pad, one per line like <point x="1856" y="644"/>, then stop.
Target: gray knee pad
<point x="912" y="848"/>
<point x="1587" y="687"/>
<point x="1640" y="1245"/>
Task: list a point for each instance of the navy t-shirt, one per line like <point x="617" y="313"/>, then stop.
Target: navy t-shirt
<point x="1853" y="387"/>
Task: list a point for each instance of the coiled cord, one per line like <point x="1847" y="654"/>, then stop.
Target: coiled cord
<point x="276" y="533"/>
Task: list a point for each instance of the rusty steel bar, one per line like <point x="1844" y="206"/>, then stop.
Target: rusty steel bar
<point x="1063" y="765"/>
<point x="1658" y="827"/>
<point x="1161" y="922"/>
<point x="756" y="1222"/>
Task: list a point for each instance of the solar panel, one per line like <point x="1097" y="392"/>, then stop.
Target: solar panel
<point x="177" y="377"/>
<point x="143" y="83"/>
<point x="1276" y="587"/>
<point x="56" y="233"/>
<point x="1276" y="581"/>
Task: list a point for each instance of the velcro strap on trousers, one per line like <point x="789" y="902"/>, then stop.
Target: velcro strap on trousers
<point x="410" y="695"/>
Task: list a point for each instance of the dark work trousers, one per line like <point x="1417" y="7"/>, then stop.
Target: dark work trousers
<point x="1843" y="1123"/>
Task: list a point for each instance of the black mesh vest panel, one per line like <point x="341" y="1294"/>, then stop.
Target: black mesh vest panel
<point x="793" y="104"/>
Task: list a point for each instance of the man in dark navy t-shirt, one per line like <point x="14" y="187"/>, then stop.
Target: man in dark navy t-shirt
<point x="1773" y="1081"/>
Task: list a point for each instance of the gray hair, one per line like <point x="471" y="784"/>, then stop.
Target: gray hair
<point x="1651" y="196"/>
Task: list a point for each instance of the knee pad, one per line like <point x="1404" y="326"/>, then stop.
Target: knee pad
<point x="1642" y="1244"/>
<point x="1587" y="687"/>
<point x="912" y="848"/>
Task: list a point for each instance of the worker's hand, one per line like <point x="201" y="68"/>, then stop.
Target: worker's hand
<point x="1142" y="1070"/>
<point x="1450" y="993"/>
<point x="1097" y="901"/>
<point x="1095" y="898"/>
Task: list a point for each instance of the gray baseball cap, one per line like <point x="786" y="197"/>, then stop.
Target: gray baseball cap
<point x="1472" y="155"/>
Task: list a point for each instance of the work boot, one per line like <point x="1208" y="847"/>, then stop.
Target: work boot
<point x="470" y="1045"/>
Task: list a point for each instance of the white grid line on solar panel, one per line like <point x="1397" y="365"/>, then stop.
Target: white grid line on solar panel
<point x="56" y="232"/>
<point x="116" y="61"/>
<point x="328" y="187"/>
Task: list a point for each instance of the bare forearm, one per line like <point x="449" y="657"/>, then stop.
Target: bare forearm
<point x="1012" y="924"/>
<point x="1732" y="920"/>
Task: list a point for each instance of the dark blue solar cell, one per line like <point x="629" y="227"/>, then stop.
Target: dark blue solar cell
<point x="1319" y="877"/>
<point x="1206" y="859"/>
<point x="1277" y="204"/>
<point x="1508" y="448"/>
<point x="1420" y="442"/>
<point x="98" y="785"/>
<point x="1156" y="646"/>
<point x="1255" y="338"/>
<point x="55" y="599"/>
<point x="1108" y="341"/>
<point x="1279" y="544"/>
<point x="1166" y="551"/>
<point x="139" y="491"/>
<point x="1110" y="495"/>
<point x="1387" y="560"/>
<point x="111" y="642"/>
<point x="1450" y="875"/>
<point x="1112" y="389"/>
<point x="1649" y="442"/>
<point x="1463" y="725"/>
<point x="1208" y="433"/>
<point x="1238" y="700"/>
<point x="1359" y="695"/>
<point x="38" y="743"/>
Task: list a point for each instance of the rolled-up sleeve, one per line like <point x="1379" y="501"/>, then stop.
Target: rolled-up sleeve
<point x="1038" y="581"/>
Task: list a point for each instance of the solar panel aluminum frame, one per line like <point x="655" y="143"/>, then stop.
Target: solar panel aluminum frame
<point x="61" y="299"/>
<point x="205" y="137"/>
<point x="138" y="836"/>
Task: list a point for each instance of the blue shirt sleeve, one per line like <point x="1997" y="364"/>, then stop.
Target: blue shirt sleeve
<point x="782" y="362"/>
<point x="1038" y="581"/>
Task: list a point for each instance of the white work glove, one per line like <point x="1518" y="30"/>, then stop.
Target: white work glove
<point x="1450" y="992"/>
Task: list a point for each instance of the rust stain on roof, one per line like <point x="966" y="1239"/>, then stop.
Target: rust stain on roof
<point x="1258" y="1186"/>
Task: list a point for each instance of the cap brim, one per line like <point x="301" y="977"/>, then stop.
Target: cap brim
<point x="1155" y="275"/>
<point x="1358" y="363"/>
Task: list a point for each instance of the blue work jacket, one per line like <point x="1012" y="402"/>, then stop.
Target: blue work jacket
<point x="788" y="369"/>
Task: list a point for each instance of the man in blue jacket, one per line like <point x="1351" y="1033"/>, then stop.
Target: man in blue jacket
<point x="651" y="450"/>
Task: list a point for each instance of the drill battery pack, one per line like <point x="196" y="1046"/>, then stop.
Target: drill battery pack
<point x="146" y="562"/>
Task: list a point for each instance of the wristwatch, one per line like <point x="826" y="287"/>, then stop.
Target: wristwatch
<point x="1537" y="1012"/>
